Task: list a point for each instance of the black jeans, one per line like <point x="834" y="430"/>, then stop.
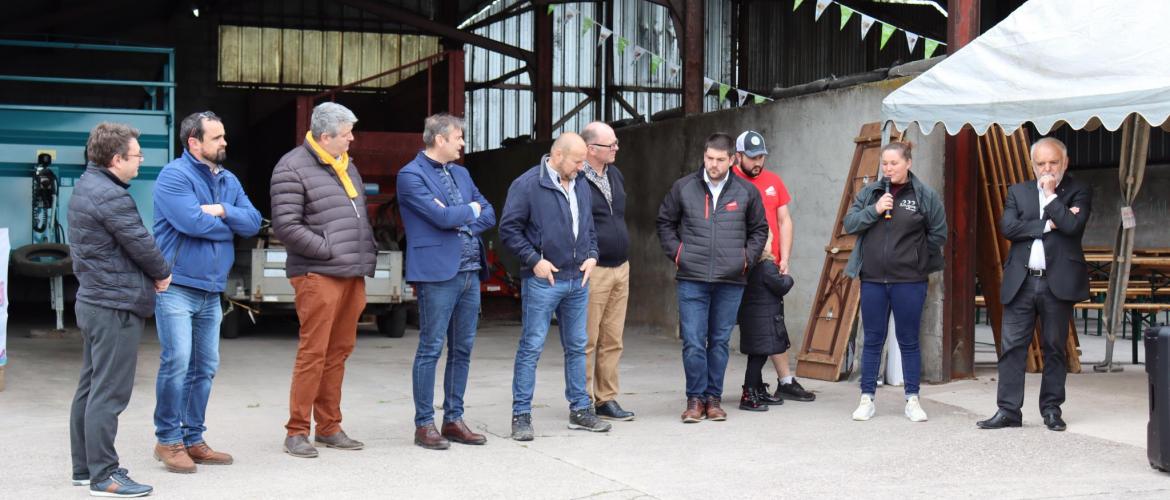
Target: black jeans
<point x="1033" y="301"/>
<point x="108" y="358"/>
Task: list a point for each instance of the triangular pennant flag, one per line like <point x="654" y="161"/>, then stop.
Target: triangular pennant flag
<point x="911" y="40"/>
<point x="551" y="8"/>
<point x="707" y="84"/>
<point x="759" y="99"/>
<point x="638" y="51"/>
<point x="622" y="44"/>
<point x="821" y="6"/>
<point x="930" y="46"/>
<point x="603" y="34"/>
<point x="569" y="13"/>
<point x="846" y="13"/>
<point x="795" y="4"/>
<point x="723" y="90"/>
<point x="887" y="31"/>
<point x="866" y="24"/>
<point x="655" y="62"/>
<point x="743" y="95"/>
<point x="586" y="25"/>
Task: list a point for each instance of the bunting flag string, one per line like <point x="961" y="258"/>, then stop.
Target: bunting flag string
<point x="911" y="40"/>
<point x="867" y="22"/>
<point x="822" y="5"/>
<point x="887" y="31"/>
<point x="638" y="53"/>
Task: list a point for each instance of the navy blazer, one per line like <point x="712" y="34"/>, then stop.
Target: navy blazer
<point x="432" y="220"/>
<point x="536" y="224"/>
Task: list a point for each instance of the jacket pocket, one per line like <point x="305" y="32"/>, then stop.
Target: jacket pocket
<point x="677" y="255"/>
<point x="424" y="242"/>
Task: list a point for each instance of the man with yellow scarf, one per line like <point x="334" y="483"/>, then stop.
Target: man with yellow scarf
<point x="320" y="216"/>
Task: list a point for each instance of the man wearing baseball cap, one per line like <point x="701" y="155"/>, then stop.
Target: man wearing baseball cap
<point x="750" y="155"/>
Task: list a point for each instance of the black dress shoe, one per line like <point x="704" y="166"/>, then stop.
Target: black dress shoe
<point x="611" y="410"/>
<point x="1053" y="421"/>
<point x="766" y="398"/>
<point x="998" y="421"/>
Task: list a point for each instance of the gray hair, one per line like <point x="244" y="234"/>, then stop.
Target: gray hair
<point x="328" y="118"/>
<point x="440" y="124"/>
<point x="1051" y="141"/>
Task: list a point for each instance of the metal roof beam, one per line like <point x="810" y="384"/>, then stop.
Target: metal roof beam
<point x="437" y="28"/>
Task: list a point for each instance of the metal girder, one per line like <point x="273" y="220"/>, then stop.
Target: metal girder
<point x="437" y="28"/>
<point x="961" y="180"/>
<point x="495" y="82"/>
<point x="510" y="12"/>
<point x="693" y="37"/>
<point x="573" y="112"/>
<point x="541" y="72"/>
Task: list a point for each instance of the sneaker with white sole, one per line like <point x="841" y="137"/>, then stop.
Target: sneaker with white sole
<point x="865" y="409"/>
<point x="914" y="410"/>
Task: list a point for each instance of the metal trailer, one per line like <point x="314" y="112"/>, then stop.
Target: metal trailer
<point x="42" y="153"/>
<point x="257" y="285"/>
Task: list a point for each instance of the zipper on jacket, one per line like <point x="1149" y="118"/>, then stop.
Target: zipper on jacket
<point x="712" y="243"/>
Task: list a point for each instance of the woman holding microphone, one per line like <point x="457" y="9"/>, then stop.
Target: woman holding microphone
<point x="901" y="226"/>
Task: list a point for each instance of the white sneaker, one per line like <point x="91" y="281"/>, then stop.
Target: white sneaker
<point x="914" y="410"/>
<point x="865" y="409"/>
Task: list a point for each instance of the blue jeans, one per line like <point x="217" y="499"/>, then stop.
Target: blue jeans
<point x="448" y="311"/>
<point x="188" y="321"/>
<point x="878" y="300"/>
<point x="706" y="315"/>
<point x="570" y="300"/>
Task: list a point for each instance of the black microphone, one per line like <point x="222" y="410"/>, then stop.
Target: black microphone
<point x="886" y="189"/>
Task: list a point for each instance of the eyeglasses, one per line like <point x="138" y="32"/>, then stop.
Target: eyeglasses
<point x="607" y="146"/>
<point x="139" y="156"/>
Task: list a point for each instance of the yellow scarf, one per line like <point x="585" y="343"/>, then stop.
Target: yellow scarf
<point x="339" y="166"/>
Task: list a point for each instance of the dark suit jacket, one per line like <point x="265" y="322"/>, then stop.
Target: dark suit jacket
<point x="1068" y="276"/>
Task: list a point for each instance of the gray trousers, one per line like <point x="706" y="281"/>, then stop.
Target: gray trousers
<point x="108" y="358"/>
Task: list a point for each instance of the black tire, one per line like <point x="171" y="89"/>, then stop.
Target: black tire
<point x="232" y="323"/>
<point x="392" y="323"/>
<point x="42" y="260"/>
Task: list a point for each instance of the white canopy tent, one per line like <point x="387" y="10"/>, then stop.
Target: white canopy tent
<point x="1080" y="62"/>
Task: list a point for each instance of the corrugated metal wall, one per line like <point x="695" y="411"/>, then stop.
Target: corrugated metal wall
<point x="785" y="48"/>
<point x="501" y="113"/>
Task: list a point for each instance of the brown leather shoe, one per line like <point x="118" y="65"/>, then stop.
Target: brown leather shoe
<point x="174" y="457"/>
<point x="203" y="454"/>
<point x="458" y="432"/>
<point x="714" y="411"/>
<point x="694" y="413"/>
<point x="428" y="437"/>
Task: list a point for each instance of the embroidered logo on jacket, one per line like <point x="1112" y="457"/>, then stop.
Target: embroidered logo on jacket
<point x="733" y="206"/>
<point x="909" y="205"/>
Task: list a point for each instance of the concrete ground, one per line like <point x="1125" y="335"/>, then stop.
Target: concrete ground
<point x="797" y="450"/>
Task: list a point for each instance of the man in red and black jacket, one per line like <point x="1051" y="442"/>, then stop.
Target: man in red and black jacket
<point x="712" y="225"/>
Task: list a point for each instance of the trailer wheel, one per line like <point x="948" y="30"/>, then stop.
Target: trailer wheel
<point x="43" y="260"/>
<point x="232" y="323"/>
<point x="392" y="323"/>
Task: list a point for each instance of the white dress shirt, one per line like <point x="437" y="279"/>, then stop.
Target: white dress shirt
<point x="1036" y="259"/>
<point x="715" y="188"/>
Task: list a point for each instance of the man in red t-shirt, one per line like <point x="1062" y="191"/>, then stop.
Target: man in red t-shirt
<point x="750" y="155"/>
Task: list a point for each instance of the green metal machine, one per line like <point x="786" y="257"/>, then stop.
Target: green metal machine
<point x="42" y="153"/>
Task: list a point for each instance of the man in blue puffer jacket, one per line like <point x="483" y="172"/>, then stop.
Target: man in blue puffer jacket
<point x="199" y="207"/>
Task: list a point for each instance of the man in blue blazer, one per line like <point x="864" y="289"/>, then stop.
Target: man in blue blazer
<point x="444" y="215"/>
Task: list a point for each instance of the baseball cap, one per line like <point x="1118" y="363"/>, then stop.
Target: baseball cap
<point x="751" y="143"/>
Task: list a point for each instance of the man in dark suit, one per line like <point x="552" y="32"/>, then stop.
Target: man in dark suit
<point x="1045" y="275"/>
<point x="444" y="214"/>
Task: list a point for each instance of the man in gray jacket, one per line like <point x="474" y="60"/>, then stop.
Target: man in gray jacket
<point x="119" y="270"/>
<point x="319" y="213"/>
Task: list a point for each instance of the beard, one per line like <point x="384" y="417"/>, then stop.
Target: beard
<point x="217" y="157"/>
